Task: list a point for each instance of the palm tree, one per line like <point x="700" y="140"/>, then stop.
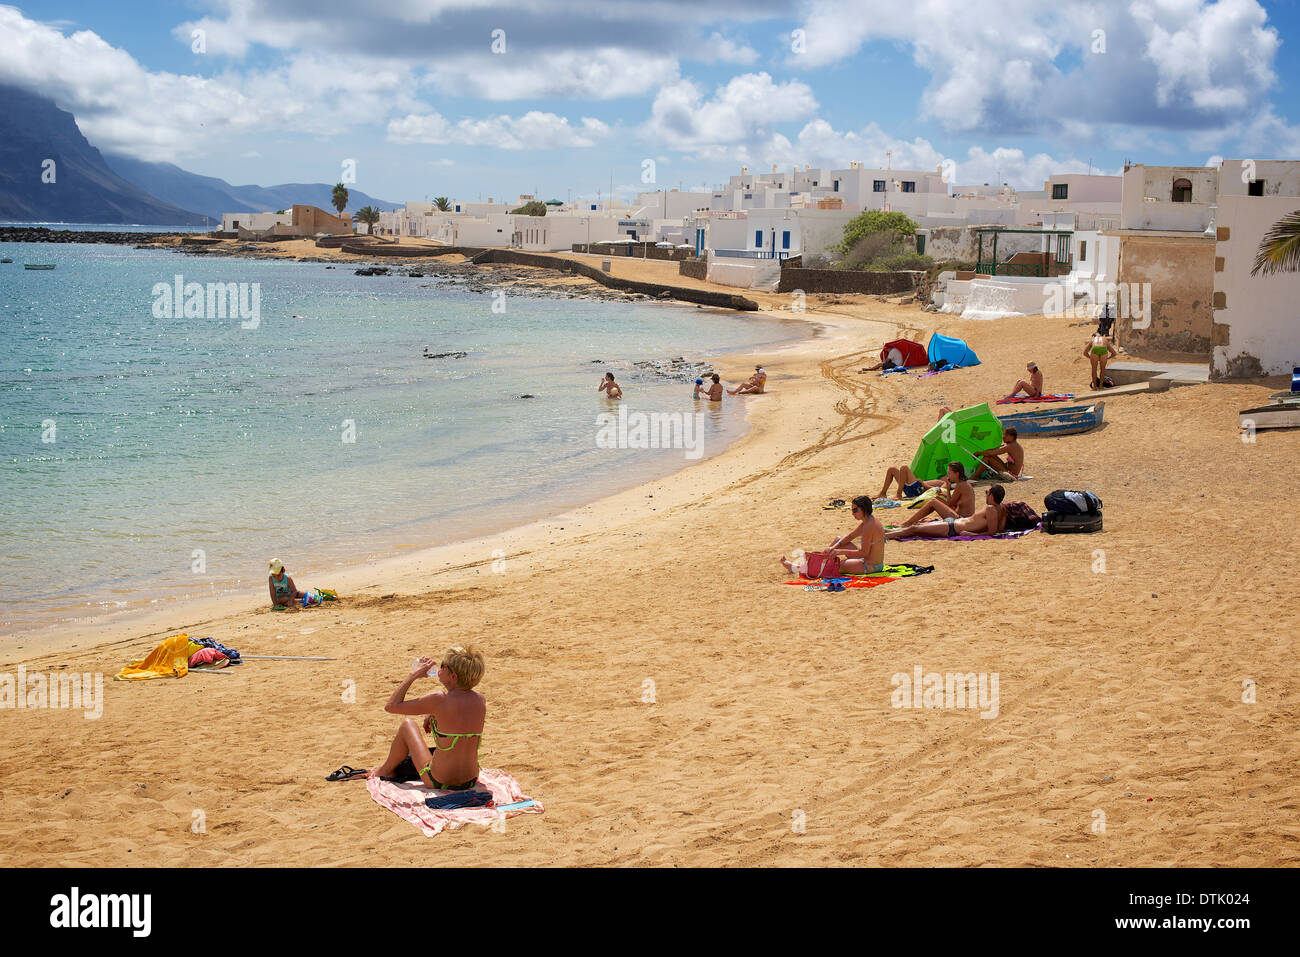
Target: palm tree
<point x="442" y="202"/>
<point x="1279" y="250"/>
<point x="340" y="198"/>
<point x="368" y="215"/>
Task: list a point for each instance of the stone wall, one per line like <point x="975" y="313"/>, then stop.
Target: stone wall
<point x="1180" y="270"/>
<point x="694" y="268"/>
<point x="848" y="281"/>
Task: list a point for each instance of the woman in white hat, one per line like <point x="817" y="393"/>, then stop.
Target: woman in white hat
<point x="284" y="593"/>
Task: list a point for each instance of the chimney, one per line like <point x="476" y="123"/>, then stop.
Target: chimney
<point x="744" y="171"/>
<point x="774" y="168"/>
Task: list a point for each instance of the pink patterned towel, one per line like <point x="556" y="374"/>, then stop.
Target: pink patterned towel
<point x="407" y="802"/>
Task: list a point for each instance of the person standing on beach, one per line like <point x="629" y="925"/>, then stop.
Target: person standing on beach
<point x="608" y="385"/>
<point x="1033" y="388"/>
<point x="1099" y="351"/>
<point x="284" y="593"/>
<point x="454" y="717"/>
<point x="754" y="386"/>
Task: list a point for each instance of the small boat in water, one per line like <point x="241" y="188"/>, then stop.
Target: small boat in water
<point x="1067" y="421"/>
<point x="38" y="265"/>
<point x="6" y="260"/>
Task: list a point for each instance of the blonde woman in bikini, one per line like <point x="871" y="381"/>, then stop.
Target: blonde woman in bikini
<point x="1099" y="351"/>
<point x="454" y="718"/>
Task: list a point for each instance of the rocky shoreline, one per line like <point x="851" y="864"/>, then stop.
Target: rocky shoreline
<point x="43" y="234"/>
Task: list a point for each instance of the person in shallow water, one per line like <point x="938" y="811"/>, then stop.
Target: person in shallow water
<point x="608" y="385"/>
<point x="455" y="718"/>
<point x="284" y="593"/>
<point x="713" y="393"/>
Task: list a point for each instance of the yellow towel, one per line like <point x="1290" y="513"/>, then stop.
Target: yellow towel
<point x="923" y="497"/>
<point x="169" y="660"/>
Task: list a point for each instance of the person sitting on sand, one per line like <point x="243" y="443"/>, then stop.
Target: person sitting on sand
<point x="1013" y="464"/>
<point x="958" y="501"/>
<point x="754" y="385"/>
<point x="284" y="593"/>
<point x="608" y="385"/>
<point x="713" y="393"/>
<point x="1033" y="388"/>
<point x="455" y="720"/>
<point x="990" y="520"/>
<point x="1099" y="351"/>
<point x="869" y="557"/>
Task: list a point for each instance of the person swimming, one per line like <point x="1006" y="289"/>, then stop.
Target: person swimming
<point x="609" y="386"/>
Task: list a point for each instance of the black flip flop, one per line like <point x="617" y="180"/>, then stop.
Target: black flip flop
<point x="345" y="773"/>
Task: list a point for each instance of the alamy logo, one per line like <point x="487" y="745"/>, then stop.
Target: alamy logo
<point x="58" y="689"/>
<point x="651" y="430"/>
<point x="1125" y="300"/>
<point x="217" y="300"/>
<point x="103" y="910"/>
<point x="935" y="689"/>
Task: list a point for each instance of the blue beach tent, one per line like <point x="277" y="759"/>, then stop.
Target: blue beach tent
<point x="954" y="350"/>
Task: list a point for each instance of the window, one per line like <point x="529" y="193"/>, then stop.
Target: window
<point x="1083" y="250"/>
<point x="836" y="187"/>
<point x="785" y="239"/>
<point x="749" y="196"/>
<point x="758" y="239"/>
<point x="877" y="185"/>
<point x="1182" y="191"/>
<point x="1255" y="188"/>
<point x="1060" y="191"/>
<point x="909" y="186"/>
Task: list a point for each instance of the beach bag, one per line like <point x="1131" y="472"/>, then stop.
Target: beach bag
<point x="1058" y="523"/>
<point x="1020" y="517"/>
<point x="822" y="565"/>
<point x="1065" y="502"/>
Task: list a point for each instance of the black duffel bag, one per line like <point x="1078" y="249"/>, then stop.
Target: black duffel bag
<point x="1067" y="502"/>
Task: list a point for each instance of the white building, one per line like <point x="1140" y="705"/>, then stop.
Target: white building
<point x="1256" y="325"/>
<point x="254" y="222"/>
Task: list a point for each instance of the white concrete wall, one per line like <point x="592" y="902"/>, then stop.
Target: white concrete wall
<point x="1262" y="313"/>
<point x="1148" y="203"/>
<point x="745" y="273"/>
<point x="255" y="221"/>
<point x="1281" y="177"/>
<point x="1087" y="189"/>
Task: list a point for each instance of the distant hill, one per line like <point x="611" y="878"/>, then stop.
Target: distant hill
<point x="215" y="196"/>
<point x="85" y="189"/>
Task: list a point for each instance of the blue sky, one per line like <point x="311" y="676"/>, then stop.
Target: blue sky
<point x="584" y="92"/>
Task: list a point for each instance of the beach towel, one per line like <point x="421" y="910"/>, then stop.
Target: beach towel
<point x="1045" y="397"/>
<point x="885" y="503"/>
<point x="967" y="538"/>
<point x="407" y="802"/>
<point x="887" y="574"/>
<point x="170" y="659"/>
<point x="923" y="497"/>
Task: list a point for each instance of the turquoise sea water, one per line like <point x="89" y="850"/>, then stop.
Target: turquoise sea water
<point x="145" y="457"/>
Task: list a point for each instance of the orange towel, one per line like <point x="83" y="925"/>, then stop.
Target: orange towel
<point x="169" y="660"/>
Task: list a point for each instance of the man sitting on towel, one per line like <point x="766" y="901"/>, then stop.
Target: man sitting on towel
<point x="990" y="520"/>
<point x="1013" y="464"/>
<point x="958" y="501"/>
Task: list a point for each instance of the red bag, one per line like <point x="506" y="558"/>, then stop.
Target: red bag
<point x="823" y="565"/>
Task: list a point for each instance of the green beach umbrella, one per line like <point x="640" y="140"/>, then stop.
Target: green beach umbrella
<point x="957" y="437"/>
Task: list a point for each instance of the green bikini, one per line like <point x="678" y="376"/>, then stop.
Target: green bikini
<point x="428" y="768"/>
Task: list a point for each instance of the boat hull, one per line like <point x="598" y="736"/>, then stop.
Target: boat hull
<point x="1281" y="416"/>
<point x="1067" y="421"/>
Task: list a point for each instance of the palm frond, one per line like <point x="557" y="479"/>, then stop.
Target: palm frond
<point x="1279" y="250"/>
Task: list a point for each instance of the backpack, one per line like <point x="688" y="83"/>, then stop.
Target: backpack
<point x="1065" y="502"/>
<point x="1055" y="523"/>
<point x="1021" y="517"/>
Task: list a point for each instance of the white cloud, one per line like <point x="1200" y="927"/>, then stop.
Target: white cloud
<point x="740" y="113"/>
<point x="600" y="74"/>
<point x="533" y="130"/>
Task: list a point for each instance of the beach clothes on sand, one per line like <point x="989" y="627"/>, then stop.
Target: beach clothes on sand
<point x="965" y="538"/>
<point x="407" y="801"/>
<point x="1045" y="397"/>
<point x="170" y="659"/>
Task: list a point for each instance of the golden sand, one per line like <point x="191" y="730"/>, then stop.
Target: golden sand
<point x="1120" y="691"/>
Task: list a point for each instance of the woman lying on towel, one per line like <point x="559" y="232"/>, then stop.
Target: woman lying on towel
<point x="989" y="520"/>
<point x="454" y="718"/>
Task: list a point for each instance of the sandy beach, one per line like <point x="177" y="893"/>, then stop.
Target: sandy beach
<point x="653" y="682"/>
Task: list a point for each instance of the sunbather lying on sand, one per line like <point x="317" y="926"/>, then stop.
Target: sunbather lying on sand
<point x="909" y="486"/>
<point x="284" y="593"/>
<point x="869" y="557"/>
<point x="1032" y="388"/>
<point x="455" y="719"/>
<point x="958" y="501"/>
<point x="989" y="520"/>
<point x="1013" y="464"/>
